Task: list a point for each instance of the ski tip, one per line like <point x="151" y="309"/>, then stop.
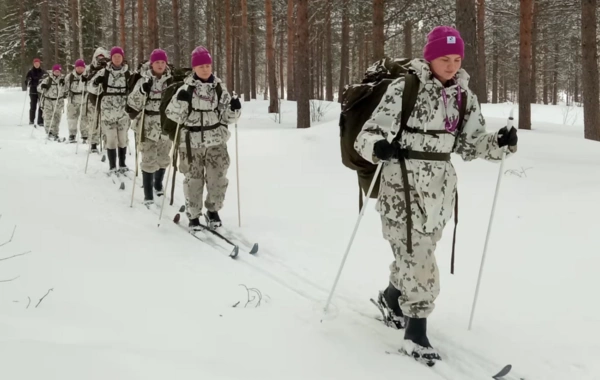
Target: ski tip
<point x="182" y="209"/>
<point x="254" y="249"/>
<point x="235" y="252"/>
<point x="177" y="218"/>
<point x="122" y="187"/>
<point x="503" y="372"/>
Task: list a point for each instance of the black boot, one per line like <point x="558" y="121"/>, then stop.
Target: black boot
<point x="94" y="148"/>
<point x="416" y="343"/>
<point x="148" y="195"/>
<point x="213" y="220"/>
<point x="72" y="138"/>
<point x="389" y="305"/>
<point x="112" y="158"/>
<point x="158" y="182"/>
<point x="195" y="224"/>
<point x="122" y="156"/>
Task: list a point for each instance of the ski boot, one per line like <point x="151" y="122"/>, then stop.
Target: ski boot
<point x="195" y="225"/>
<point x="94" y="148"/>
<point x="213" y="220"/>
<point x="158" y="182"/>
<point x="122" y="155"/>
<point x="389" y="306"/>
<point x="84" y="140"/>
<point x="112" y="161"/>
<point x="148" y="196"/>
<point x="31" y="123"/>
<point x="416" y="343"/>
<point x="72" y="139"/>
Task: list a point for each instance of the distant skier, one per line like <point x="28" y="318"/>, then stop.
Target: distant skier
<point x="422" y="158"/>
<point x="155" y="146"/>
<point x="110" y="84"/>
<point x="32" y="80"/>
<point x="53" y="90"/>
<point x="75" y="95"/>
<point x="100" y="59"/>
<point x="204" y="109"/>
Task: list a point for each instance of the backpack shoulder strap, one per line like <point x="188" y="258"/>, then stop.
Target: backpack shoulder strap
<point x="105" y="80"/>
<point x="462" y="111"/>
<point x="409" y="98"/>
<point x="189" y="89"/>
<point x="219" y="90"/>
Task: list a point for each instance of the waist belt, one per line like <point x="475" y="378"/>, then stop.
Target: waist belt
<point x="152" y="113"/>
<point x="201" y="129"/>
<point x="51" y="98"/>
<point x="417" y="155"/>
<point x="76" y="93"/>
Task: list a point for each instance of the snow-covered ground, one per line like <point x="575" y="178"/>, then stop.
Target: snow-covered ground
<point x="131" y="300"/>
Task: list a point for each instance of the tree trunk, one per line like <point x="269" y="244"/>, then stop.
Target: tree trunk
<point x="589" y="49"/>
<point x="466" y="23"/>
<point x="345" y="69"/>
<point x="140" y="20"/>
<point x="122" y="24"/>
<point x="133" y="45"/>
<point x="245" y="65"/>
<point x="281" y="81"/>
<point x="253" y="45"/>
<point x="495" y="68"/>
<point x="303" y="37"/>
<point x="555" y="74"/>
<point x="219" y="38"/>
<point x="291" y="33"/>
<point x="23" y="70"/>
<point x="378" y="32"/>
<point x="210" y="15"/>
<point x="576" y="62"/>
<point x="329" y="54"/>
<point x="273" y="104"/>
<point x="228" y="44"/>
<point x="534" y="38"/>
<point x="152" y="25"/>
<point x="525" y="64"/>
<point x="481" y="79"/>
<point x="79" y="29"/>
<point x="408" y="45"/>
<point x="192" y="25"/>
<point x="74" y="28"/>
<point x="176" y="36"/>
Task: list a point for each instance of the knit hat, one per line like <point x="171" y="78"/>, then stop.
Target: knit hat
<point x="117" y="50"/>
<point x="57" y="67"/>
<point x="441" y="41"/>
<point x="201" y="56"/>
<point x="158" y="55"/>
<point x="37" y="60"/>
<point x="80" y="63"/>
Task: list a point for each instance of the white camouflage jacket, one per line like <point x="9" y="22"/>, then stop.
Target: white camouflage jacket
<point x="432" y="183"/>
<point x="114" y="100"/>
<point x="76" y="90"/>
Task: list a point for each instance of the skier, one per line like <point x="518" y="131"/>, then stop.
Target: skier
<point x="421" y="158"/>
<point x="155" y="146"/>
<point x="52" y="89"/>
<point x="100" y="59"/>
<point x="110" y="84"/>
<point x="75" y="92"/>
<point x="203" y="108"/>
<point x="32" y="80"/>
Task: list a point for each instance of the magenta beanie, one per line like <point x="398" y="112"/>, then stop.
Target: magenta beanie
<point x="57" y="68"/>
<point x="117" y="50"/>
<point x="201" y="56"/>
<point x="158" y="55"/>
<point x="80" y="63"/>
<point x="441" y="41"/>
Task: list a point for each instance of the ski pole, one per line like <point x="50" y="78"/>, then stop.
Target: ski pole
<point x="52" y="120"/>
<point x="137" y="150"/>
<point x="489" y="229"/>
<point x="24" y="102"/>
<point x="237" y="170"/>
<point x="79" y="119"/>
<point x="41" y="100"/>
<point x="95" y="127"/>
<point x="175" y="142"/>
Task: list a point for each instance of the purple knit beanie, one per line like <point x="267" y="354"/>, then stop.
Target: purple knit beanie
<point x="201" y="56"/>
<point x="441" y="41"/>
<point x="80" y="63"/>
<point x="57" y="67"/>
<point x="158" y="55"/>
<point x="117" y="50"/>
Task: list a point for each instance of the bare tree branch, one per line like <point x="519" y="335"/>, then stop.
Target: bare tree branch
<point x="20" y="254"/>
<point x="28" y="303"/>
<point x="11" y="237"/>
<point x="12" y="279"/>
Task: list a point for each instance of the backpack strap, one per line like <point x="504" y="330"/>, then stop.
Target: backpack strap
<point x="409" y="99"/>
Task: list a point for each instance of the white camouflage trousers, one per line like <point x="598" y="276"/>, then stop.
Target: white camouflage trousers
<point x="155" y="154"/>
<point x="209" y="166"/>
<point x="116" y="133"/>
<point x="415" y="274"/>
<point x="52" y="115"/>
<point x="73" y="111"/>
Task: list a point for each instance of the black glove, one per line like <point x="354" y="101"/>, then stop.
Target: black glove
<point x="84" y="79"/>
<point x="146" y="87"/>
<point x="45" y="86"/>
<point x="184" y="96"/>
<point x="506" y="137"/>
<point x="97" y="81"/>
<point x="384" y="150"/>
<point x="235" y="104"/>
<point x="61" y="82"/>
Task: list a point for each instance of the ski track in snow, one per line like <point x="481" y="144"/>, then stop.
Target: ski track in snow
<point x="135" y="301"/>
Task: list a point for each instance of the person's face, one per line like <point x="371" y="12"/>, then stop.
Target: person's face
<point x="204" y="71"/>
<point x="36" y="64"/>
<point x="56" y="73"/>
<point x="159" y="67"/>
<point x="79" y="70"/>
<point x="445" y="68"/>
<point x="117" y="59"/>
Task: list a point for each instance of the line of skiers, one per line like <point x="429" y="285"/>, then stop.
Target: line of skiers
<point x="106" y="98"/>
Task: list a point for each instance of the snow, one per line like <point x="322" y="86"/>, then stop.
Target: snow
<point x="134" y="301"/>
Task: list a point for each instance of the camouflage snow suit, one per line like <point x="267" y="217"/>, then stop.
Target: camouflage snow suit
<point x="92" y="117"/>
<point x="155" y="146"/>
<point x="53" y="102"/>
<point x="432" y="183"/>
<point x="203" y="142"/>
<point x="114" y="120"/>
<point x="75" y="98"/>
